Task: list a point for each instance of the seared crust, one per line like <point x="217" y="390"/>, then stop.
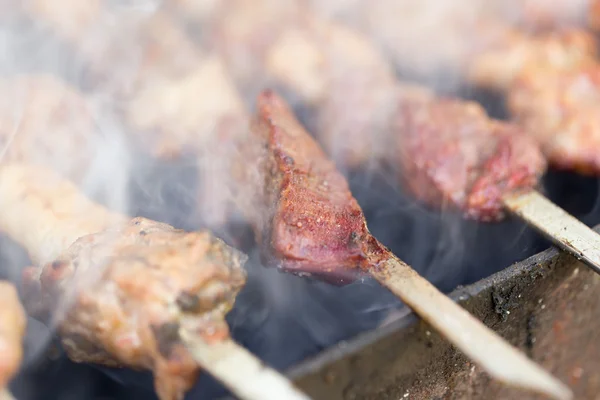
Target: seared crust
<point x="12" y="330"/>
<point x="122" y="294"/>
<point x="452" y="153"/>
<point x="301" y="207"/>
<point x="560" y="109"/>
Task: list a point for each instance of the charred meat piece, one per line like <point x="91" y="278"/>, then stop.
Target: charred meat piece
<point x="12" y="330"/>
<point x="499" y="64"/>
<point x="560" y="110"/>
<point x="45" y="122"/>
<point x="451" y="152"/>
<point x="300" y="206"/>
<point x="120" y="297"/>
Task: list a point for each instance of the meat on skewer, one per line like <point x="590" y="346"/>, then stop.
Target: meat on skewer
<point x="307" y="222"/>
<point x="560" y="109"/>
<point x="470" y="41"/>
<point x="12" y="330"/>
<point x="122" y="291"/>
<point x="451" y="152"/>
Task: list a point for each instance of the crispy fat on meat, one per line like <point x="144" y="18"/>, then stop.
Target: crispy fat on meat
<point x="12" y="329"/>
<point x="45" y="122"/>
<point x="451" y="152"/>
<point x="300" y="206"/>
<point x="560" y="110"/>
<point x="499" y="64"/>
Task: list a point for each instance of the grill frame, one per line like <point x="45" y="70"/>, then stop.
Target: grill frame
<point x="546" y="305"/>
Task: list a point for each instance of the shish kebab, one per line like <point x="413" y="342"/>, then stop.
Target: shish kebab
<point x="131" y="292"/>
<point x="42" y="103"/>
<point x="171" y="96"/>
<point x="353" y="91"/>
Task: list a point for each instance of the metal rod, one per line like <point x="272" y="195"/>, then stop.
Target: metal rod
<point x="501" y="360"/>
<point x="240" y="371"/>
<point x="564" y="230"/>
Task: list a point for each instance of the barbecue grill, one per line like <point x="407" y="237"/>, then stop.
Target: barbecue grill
<point x="352" y="342"/>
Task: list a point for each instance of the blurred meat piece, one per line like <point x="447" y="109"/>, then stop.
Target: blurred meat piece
<point x="543" y="14"/>
<point x="346" y="81"/>
<point x="118" y="290"/>
<point x="123" y="46"/>
<point x="45" y="122"/>
<point x="497" y="66"/>
<point x="560" y="110"/>
<point x="12" y="329"/>
<point x="451" y="152"/>
<point x="300" y="206"/>
<point x="594" y="15"/>
<point x="197" y="113"/>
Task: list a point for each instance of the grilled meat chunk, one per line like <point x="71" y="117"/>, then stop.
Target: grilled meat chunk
<point x="121" y="296"/>
<point x="560" y="109"/>
<point x="346" y="81"/>
<point x="300" y="206"/>
<point x="45" y="122"/>
<point x="12" y="330"/>
<point x="451" y="152"/>
<point x="499" y="64"/>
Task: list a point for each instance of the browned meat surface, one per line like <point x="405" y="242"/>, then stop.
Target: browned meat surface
<point x="499" y="64"/>
<point x="300" y="206"/>
<point x="12" y="330"/>
<point x="560" y="110"/>
<point x="45" y="122"/>
<point x="125" y="292"/>
<point x="242" y="31"/>
<point x="452" y="153"/>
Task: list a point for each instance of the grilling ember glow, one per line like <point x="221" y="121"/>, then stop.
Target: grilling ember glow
<point x="196" y="115"/>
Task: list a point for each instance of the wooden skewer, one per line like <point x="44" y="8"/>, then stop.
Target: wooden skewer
<point x="232" y="364"/>
<point x="564" y="230"/>
<point x="481" y="344"/>
<point x="46" y="214"/>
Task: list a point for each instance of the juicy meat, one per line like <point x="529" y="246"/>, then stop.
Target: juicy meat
<point x="499" y="64"/>
<point x="451" y="152"/>
<point x="560" y="109"/>
<point x="300" y="206"/>
<point x="120" y="297"/>
<point x="12" y="330"/>
<point x="45" y="122"/>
